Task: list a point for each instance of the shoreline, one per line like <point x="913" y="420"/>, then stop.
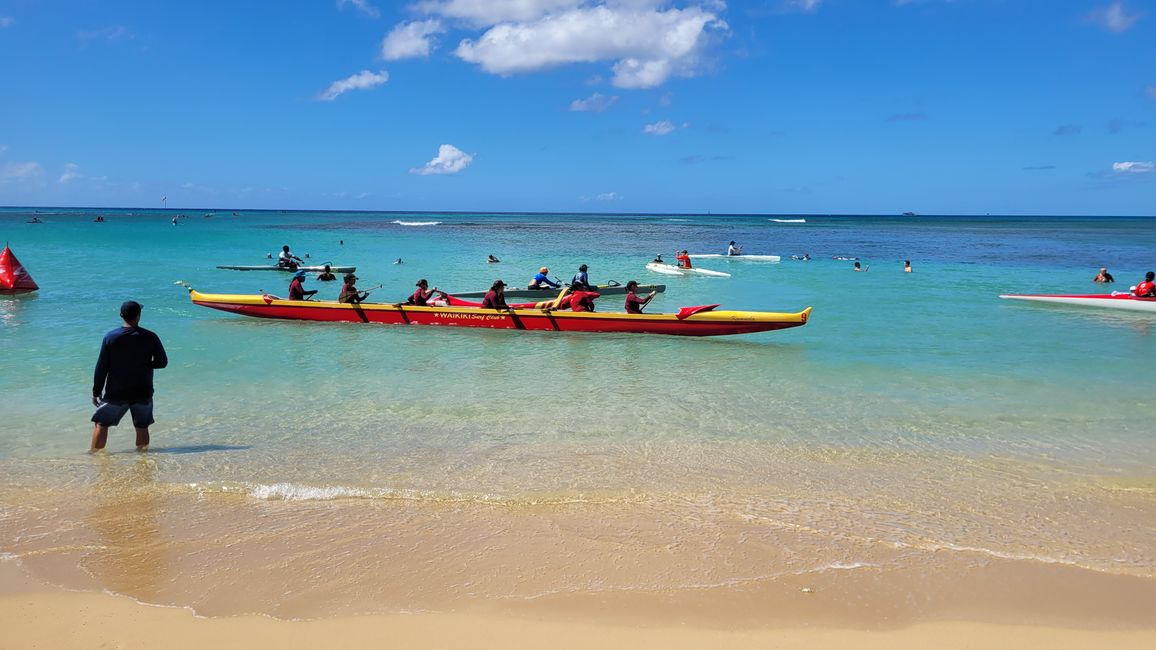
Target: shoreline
<point x="34" y="614"/>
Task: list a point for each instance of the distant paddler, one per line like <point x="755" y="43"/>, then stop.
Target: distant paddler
<point x="492" y="260"/>
<point x="496" y="296"/>
<point x="287" y="260"/>
<point x="349" y="293"/>
<point x="733" y="250"/>
<point x="542" y="280"/>
<point x="634" y="304"/>
<point x="683" y="258"/>
<point x="423" y="293"/>
<point x="297" y="287"/>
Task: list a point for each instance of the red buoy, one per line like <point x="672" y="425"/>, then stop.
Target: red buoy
<point x="14" y="278"/>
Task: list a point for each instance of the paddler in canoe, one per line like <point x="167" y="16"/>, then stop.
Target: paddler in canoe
<point x="542" y="280"/>
<point x="634" y="304"/>
<point x="286" y="259"/>
<point x="496" y="296"/>
<point x="1147" y="288"/>
<point x="734" y="250"/>
<point x="423" y="293"/>
<point x="683" y="258"/>
<point x="581" y="281"/>
<point x="349" y="293"/>
<point x="297" y="288"/>
<point x="580" y="298"/>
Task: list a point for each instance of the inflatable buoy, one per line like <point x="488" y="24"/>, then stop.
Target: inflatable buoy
<point x="14" y="278"/>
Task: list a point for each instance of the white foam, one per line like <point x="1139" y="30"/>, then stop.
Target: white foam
<point x="416" y="223"/>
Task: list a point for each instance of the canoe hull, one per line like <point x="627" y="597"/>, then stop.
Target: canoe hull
<point x="670" y="269"/>
<point x="737" y="258"/>
<point x="273" y="267"/>
<point x="707" y="323"/>
<point x="1108" y="301"/>
<point x="546" y="294"/>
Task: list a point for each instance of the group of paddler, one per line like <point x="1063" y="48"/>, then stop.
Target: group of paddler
<point x="578" y="296"/>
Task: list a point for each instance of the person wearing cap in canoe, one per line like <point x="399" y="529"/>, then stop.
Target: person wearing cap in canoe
<point x="1147" y="288"/>
<point x="496" y="296"/>
<point x="349" y="293"/>
<point x="683" y="258"/>
<point x="543" y="281"/>
<point x="581" y="298"/>
<point x="297" y="287"/>
<point x="582" y="280"/>
<point x="423" y="293"/>
<point x="123" y="379"/>
<point x="326" y="275"/>
<point x="634" y="304"/>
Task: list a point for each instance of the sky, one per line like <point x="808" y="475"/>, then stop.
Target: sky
<point x="762" y="106"/>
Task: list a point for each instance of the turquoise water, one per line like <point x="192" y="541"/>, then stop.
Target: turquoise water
<point x="913" y="410"/>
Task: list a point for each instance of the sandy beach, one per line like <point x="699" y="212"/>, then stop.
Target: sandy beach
<point x="36" y="616"/>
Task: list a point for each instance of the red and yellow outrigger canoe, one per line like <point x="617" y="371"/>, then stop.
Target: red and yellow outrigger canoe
<point x="689" y="321"/>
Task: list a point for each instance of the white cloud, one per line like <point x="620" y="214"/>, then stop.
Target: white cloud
<point x="6" y="21"/>
<point x="608" y="196"/>
<point x="360" y="81"/>
<point x="595" y="103"/>
<point x="71" y="173"/>
<point x="1114" y="17"/>
<point x="659" y="128"/>
<point x="491" y="12"/>
<point x="361" y="195"/>
<point x="116" y="33"/>
<point x="648" y="45"/>
<point x="409" y="40"/>
<point x="450" y="160"/>
<point x="24" y="172"/>
<point x="1133" y="167"/>
<point x="804" y="6"/>
<point x="361" y="5"/>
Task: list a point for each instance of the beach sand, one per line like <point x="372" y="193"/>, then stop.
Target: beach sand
<point x="35" y="615"/>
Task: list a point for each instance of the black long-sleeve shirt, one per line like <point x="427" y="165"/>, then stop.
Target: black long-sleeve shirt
<point x="124" y="369"/>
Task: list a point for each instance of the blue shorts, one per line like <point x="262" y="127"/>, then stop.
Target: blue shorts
<point x="109" y="414"/>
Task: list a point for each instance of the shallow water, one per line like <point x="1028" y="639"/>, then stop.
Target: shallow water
<point x="302" y="469"/>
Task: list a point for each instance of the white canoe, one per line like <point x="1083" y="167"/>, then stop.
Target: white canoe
<point x="670" y="269"/>
<point x="1119" y="300"/>
<point x="789" y="220"/>
<point x="738" y="258"/>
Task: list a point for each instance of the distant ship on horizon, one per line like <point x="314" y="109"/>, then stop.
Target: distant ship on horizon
<point x="910" y="214"/>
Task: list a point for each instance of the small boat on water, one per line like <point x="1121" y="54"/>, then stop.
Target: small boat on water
<point x="14" y="278"/>
<point x="788" y="220"/>
<point x="670" y="269"/>
<point x="689" y="321"/>
<point x="737" y="258"/>
<point x="614" y="289"/>
<point x="274" y="267"/>
<point x="1116" y="300"/>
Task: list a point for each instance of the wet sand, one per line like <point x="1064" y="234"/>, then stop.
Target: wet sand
<point x="34" y="615"/>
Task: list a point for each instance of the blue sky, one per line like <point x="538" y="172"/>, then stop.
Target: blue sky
<point x="776" y="106"/>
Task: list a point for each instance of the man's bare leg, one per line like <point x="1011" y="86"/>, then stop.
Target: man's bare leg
<point x="142" y="438"/>
<point x="99" y="437"/>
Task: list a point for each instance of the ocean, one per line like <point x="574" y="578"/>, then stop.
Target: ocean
<point x="918" y="428"/>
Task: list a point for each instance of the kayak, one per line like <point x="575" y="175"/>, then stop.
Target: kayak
<point x="670" y="269"/>
<point x="744" y="257"/>
<point x="273" y="267"/>
<point x="1118" y="300"/>
<point x="689" y="321"/>
<point x="543" y="294"/>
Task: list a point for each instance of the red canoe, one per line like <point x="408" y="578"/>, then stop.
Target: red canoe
<point x="690" y="321"/>
<point x="14" y="278"/>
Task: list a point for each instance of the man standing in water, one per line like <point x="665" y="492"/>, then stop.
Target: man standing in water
<point x="124" y="374"/>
